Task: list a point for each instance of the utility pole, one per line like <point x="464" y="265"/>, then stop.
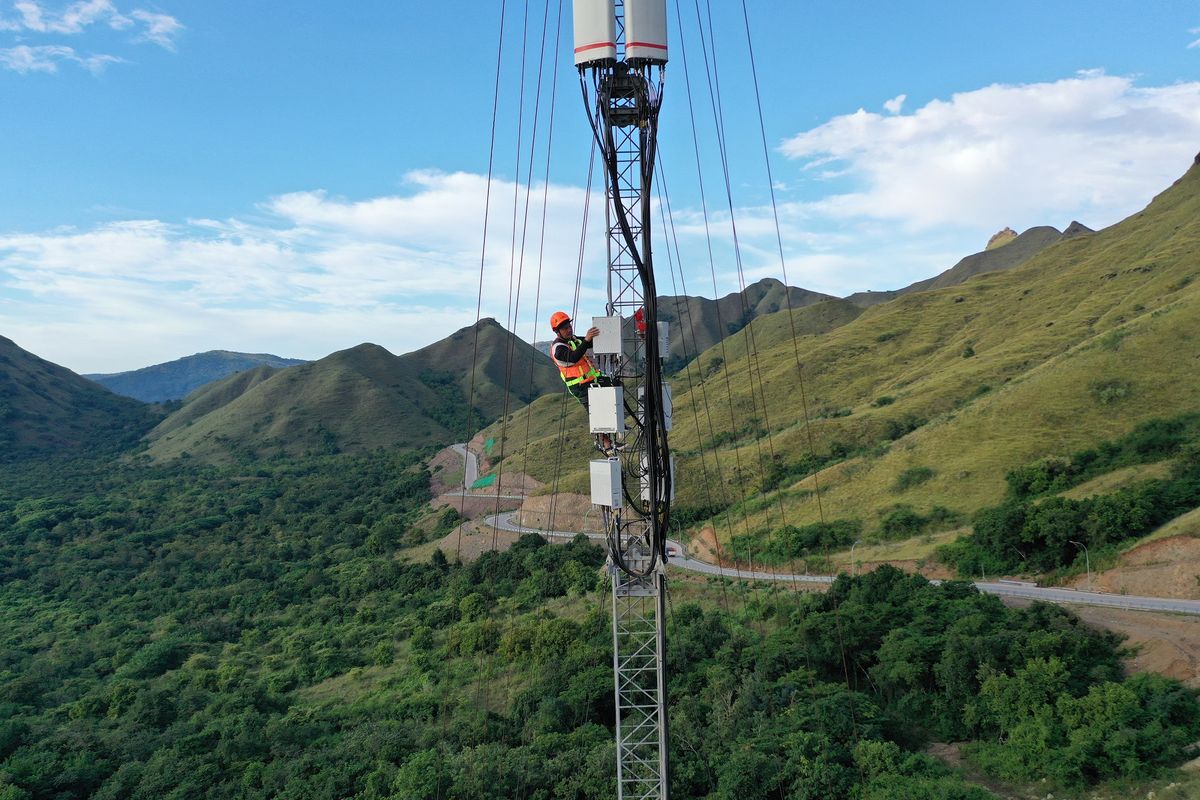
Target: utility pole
<point x="621" y="52"/>
<point x="1087" y="560"/>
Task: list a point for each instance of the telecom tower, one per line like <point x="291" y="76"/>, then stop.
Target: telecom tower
<point x="621" y="53"/>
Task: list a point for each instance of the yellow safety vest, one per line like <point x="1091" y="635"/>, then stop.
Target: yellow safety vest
<point x="582" y="371"/>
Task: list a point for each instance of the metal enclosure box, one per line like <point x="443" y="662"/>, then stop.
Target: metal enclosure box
<point x="666" y="403"/>
<point x="608" y="343"/>
<point x="664" y="340"/>
<point x="646" y="482"/>
<point x="606" y="409"/>
<point x="606" y="483"/>
<point x="646" y="31"/>
<point x="595" y="31"/>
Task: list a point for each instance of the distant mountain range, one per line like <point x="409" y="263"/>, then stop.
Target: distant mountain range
<point x="1005" y="252"/>
<point x="176" y="379"/>
<point x="1046" y="345"/>
<point x="360" y="399"/>
<point x="240" y="405"/>
<point x="48" y="408"/>
<point x="697" y="323"/>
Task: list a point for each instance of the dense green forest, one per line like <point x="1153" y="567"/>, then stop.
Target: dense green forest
<point x="216" y="632"/>
<point x="1035" y="531"/>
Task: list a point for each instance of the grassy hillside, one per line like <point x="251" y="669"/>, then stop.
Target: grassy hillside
<point x="532" y="435"/>
<point x="1079" y="344"/>
<point x="212" y="396"/>
<point x="177" y="379"/>
<point x="45" y="408"/>
<point x="359" y="399"/>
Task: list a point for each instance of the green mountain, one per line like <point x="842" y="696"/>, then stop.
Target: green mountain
<point x="177" y="379"/>
<point x="45" y="408"/>
<point x="928" y="400"/>
<point x="212" y="396"/>
<point x="360" y="399"/>
<point x="1011" y="253"/>
<point x="698" y="323"/>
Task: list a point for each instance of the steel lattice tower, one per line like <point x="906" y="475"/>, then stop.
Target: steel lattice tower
<point x="623" y="54"/>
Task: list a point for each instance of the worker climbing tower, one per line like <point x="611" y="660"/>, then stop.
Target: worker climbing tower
<point x="621" y="53"/>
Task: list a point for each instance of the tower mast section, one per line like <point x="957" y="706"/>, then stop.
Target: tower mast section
<point x="621" y="54"/>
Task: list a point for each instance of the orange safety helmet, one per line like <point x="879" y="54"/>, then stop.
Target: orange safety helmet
<point x="558" y="319"/>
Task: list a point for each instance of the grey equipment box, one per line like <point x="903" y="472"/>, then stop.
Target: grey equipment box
<point x="608" y="343"/>
<point x="606" y="409"/>
<point x="606" y="483"/>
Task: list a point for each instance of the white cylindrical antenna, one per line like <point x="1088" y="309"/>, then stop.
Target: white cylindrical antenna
<point x="646" y="31"/>
<point x="595" y="31"/>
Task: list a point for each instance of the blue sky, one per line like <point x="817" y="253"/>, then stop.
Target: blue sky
<point x="196" y="174"/>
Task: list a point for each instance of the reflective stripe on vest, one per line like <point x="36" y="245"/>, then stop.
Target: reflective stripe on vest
<point x="582" y="371"/>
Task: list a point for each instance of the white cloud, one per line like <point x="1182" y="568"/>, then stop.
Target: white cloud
<point x="309" y="272"/>
<point x="894" y="105"/>
<point x="1094" y="146"/>
<point x="161" y="29"/>
<point x="74" y="20"/>
<point x="318" y="274"/>
<point x="1197" y="42"/>
<point x="24" y="59"/>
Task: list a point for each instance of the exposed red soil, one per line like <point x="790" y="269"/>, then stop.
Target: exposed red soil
<point x="560" y="512"/>
<point x="474" y="506"/>
<point x="1164" y="568"/>
<point x="446" y="463"/>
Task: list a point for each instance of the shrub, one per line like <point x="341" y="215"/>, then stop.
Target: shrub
<point x="896" y="428"/>
<point x="914" y="476"/>
<point x="1111" y="391"/>
<point x="901" y="523"/>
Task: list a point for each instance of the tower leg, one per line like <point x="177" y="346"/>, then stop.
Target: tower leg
<point x="639" y="653"/>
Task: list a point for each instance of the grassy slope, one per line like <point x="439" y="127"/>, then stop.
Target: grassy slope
<point x="532" y="438"/>
<point x="1116" y="306"/>
<point x="212" y="396"/>
<point x="47" y="408"/>
<point x="353" y="400"/>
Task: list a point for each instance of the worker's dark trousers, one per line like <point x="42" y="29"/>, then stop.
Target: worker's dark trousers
<point x="580" y="390"/>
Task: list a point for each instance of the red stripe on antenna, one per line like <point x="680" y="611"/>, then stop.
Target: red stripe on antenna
<point x="646" y="44"/>
<point x="594" y="46"/>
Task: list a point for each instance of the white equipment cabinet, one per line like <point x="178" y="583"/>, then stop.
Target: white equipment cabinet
<point x="606" y="409"/>
<point x="606" y="483"/>
<point x="608" y="343"/>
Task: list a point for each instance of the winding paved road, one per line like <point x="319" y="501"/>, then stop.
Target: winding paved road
<point x="470" y="464"/>
<point x="684" y="561"/>
<point x="471" y="474"/>
<point x="1047" y="594"/>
